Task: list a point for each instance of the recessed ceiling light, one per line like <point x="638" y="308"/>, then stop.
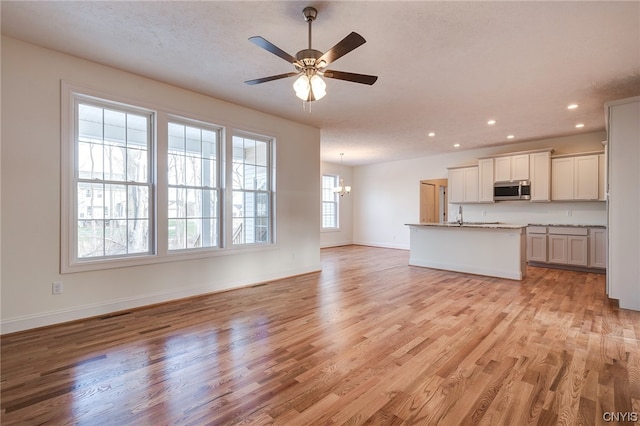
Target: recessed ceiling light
<point x="510" y="136"/>
<point x="572" y="106"/>
<point x="491" y="122"/>
<point x="456" y="145"/>
<point x="431" y="134"/>
<point x="579" y="126"/>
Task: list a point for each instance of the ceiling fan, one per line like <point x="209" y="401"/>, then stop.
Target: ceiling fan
<point x="310" y="64"/>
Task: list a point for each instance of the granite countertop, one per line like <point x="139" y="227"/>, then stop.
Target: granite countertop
<point x="567" y="225"/>
<point x="484" y="225"/>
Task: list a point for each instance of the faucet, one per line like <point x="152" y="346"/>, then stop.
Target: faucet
<point x="459" y="215"/>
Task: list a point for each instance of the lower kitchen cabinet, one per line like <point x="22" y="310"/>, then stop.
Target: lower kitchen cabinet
<point x="568" y="246"/>
<point x="583" y="247"/>
<point x="558" y="249"/>
<point x="537" y="244"/>
<point x="598" y="248"/>
<point x="577" y="247"/>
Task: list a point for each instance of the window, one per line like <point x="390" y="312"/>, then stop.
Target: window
<point x="193" y="179"/>
<point x="252" y="190"/>
<point x="112" y="180"/>
<point x="216" y="192"/>
<point x="329" y="202"/>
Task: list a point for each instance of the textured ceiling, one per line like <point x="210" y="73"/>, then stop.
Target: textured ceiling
<point x="443" y="67"/>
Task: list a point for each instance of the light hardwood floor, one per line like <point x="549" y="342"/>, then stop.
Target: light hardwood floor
<point x="369" y="340"/>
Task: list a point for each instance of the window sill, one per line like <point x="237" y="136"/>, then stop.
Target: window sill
<point x="174" y="256"/>
<point x="329" y="230"/>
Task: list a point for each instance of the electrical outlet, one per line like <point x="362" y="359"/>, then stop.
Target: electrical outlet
<point x="56" y="287"/>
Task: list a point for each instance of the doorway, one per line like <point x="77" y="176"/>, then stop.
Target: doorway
<point x="433" y="201"/>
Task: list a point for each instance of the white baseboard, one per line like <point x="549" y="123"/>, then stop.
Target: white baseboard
<point x="382" y="245"/>
<point x="338" y="244"/>
<point x="27" y="322"/>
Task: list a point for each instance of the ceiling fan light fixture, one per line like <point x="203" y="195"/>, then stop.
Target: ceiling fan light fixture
<point x="310" y="88"/>
<point x="318" y="86"/>
<point x="301" y="87"/>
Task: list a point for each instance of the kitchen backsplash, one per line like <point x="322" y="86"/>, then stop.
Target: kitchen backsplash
<point x="524" y="212"/>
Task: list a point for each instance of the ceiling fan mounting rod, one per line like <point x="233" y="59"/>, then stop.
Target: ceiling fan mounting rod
<point x="310" y="15"/>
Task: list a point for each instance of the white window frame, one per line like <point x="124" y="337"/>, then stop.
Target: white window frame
<point x="158" y="215"/>
<point x="70" y="262"/>
<point x="218" y="189"/>
<point x="270" y="190"/>
<point x="335" y="201"/>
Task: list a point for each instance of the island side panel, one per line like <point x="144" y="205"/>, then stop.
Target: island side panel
<point x="483" y="251"/>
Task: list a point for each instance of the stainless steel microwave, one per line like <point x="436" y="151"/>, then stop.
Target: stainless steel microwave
<point x="516" y="190"/>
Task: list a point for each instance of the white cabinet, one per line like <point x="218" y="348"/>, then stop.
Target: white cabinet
<point x="471" y="185"/>
<point x="575" y="178"/>
<point x="568" y="250"/>
<point x="540" y="171"/>
<point x="485" y="176"/>
<point x="456" y="185"/>
<point x="558" y="249"/>
<point x="562" y="178"/>
<point x="585" y="178"/>
<point x="537" y="248"/>
<point x="463" y="185"/>
<point x="577" y="249"/>
<point x="597" y="248"/>
<point x="568" y="246"/>
<point x="513" y="167"/>
<point x="537" y="244"/>
<point x="602" y="176"/>
<point x="520" y="167"/>
<point x="502" y="169"/>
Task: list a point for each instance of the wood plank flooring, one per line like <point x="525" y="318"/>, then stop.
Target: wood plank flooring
<point x="369" y="340"/>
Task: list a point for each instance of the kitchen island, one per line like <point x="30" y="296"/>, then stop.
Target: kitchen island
<point x="492" y="249"/>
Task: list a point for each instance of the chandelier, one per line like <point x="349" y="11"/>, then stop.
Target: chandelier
<point x="342" y="189"/>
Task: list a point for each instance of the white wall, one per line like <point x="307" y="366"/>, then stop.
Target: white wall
<point x="624" y="203"/>
<point x="31" y="78"/>
<point x="388" y="195"/>
<point x="343" y="235"/>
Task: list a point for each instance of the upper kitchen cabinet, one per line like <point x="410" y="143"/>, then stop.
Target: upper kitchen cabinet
<point x="562" y="178"/>
<point x="585" y="178"/>
<point x="485" y="177"/>
<point x="512" y="167"/>
<point x="575" y="178"/>
<point x="463" y="185"/>
<point x="540" y="171"/>
<point x="602" y="175"/>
